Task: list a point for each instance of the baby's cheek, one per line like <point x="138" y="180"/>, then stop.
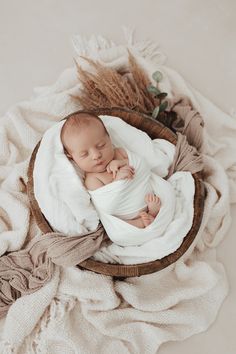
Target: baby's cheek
<point x="111" y="153"/>
<point x="80" y="163"/>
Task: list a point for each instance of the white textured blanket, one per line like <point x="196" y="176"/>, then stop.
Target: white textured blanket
<point x="80" y="311"/>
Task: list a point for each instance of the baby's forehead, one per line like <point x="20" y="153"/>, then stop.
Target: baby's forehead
<point x="74" y="125"/>
<point x="85" y="129"/>
<point x="82" y="121"/>
<point x="77" y="122"/>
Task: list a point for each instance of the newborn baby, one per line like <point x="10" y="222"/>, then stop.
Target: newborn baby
<point x="87" y="142"/>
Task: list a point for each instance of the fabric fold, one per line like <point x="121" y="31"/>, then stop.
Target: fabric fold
<point x="26" y="271"/>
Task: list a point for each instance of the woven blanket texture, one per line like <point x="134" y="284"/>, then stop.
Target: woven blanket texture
<point x="83" y="312"/>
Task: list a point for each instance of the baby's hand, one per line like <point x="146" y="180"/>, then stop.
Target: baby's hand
<point x="115" y="165"/>
<point x="125" y="172"/>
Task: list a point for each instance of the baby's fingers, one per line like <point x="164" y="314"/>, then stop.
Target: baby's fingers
<point x="130" y="175"/>
<point x="131" y="169"/>
<point x="128" y="168"/>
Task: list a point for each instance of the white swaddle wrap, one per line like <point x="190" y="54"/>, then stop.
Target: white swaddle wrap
<point x="124" y="199"/>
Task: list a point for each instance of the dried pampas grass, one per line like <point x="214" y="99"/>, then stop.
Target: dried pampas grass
<point x="107" y="87"/>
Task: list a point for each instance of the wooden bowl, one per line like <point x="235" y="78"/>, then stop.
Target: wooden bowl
<point x="155" y="130"/>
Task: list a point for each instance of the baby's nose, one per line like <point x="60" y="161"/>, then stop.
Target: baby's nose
<point x="96" y="154"/>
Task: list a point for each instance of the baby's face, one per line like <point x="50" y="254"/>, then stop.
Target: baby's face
<point x="90" y="148"/>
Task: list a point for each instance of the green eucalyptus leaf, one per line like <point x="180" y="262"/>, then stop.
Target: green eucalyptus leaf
<point x="155" y="112"/>
<point x="162" y="95"/>
<point x="153" y="89"/>
<point x="157" y="76"/>
<point x="163" y="106"/>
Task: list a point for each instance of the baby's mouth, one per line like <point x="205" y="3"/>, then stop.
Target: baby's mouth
<point x="99" y="163"/>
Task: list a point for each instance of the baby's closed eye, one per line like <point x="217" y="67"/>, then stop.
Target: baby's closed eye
<point x="101" y="145"/>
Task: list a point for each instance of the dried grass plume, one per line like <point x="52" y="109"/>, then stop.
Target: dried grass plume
<point x="106" y="87"/>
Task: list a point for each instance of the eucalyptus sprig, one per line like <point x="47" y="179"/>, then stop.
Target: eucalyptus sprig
<point x="157" y="76"/>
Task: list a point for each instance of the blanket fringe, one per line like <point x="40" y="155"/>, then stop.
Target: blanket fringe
<point x="60" y="305"/>
<point x="148" y="48"/>
<point x="8" y="348"/>
<point x="89" y="47"/>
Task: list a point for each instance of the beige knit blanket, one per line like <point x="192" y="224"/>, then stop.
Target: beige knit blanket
<point x="77" y="309"/>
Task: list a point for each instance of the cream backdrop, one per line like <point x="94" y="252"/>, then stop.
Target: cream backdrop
<point x="198" y="38"/>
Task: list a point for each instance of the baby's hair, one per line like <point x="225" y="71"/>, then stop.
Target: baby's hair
<point x="79" y="119"/>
